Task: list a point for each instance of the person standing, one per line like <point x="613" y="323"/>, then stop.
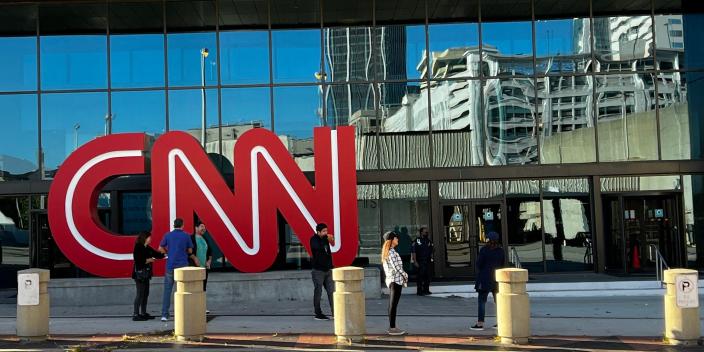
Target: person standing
<point x="322" y="268"/>
<point x="203" y="253"/>
<point x="491" y="257"/>
<point x="143" y="255"/>
<point x="422" y="257"/>
<point x="178" y="247"/>
<point x="396" y="277"/>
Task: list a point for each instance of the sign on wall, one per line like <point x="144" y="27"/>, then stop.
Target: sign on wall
<point x="184" y="182"/>
<point x="687" y="293"/>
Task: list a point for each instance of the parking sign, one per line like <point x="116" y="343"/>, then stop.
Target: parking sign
<point x="687" y="292"/>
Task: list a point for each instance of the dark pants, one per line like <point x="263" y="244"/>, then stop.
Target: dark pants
<point x="483" y="296"/>
<point x="140" y="301"/>
<point x="320" y="279"/>
<point x="423" y="279"/>
<point x="205" y="282"/>
<point x="394" y="297"/>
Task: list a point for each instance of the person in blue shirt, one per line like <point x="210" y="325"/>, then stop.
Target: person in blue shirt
<point x="491" y="257"/>
<point x="178" y="247"/>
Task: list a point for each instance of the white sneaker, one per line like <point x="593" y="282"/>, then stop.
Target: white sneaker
<point x="164" y="319"/>
<point x="207" y="311"/>
<point x="395" y="332"/>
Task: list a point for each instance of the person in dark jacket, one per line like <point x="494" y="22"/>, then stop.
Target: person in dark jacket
<point x="322" y="268"/>
<point x="143" y="256"/>
<point x="491" y="257"/>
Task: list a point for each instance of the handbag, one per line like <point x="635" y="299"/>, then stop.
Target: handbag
<point x="144" y="274"/>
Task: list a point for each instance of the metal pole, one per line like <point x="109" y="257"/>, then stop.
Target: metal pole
<point x="75" y="135"/>
<point x="203" y="55"/>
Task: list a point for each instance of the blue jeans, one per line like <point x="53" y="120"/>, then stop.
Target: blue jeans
<point x="168" y="288"/>
<point x="483" y="295"/>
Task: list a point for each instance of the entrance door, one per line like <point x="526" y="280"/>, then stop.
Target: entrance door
<point x="636" y="225"/>
<point x="464" y="227"/>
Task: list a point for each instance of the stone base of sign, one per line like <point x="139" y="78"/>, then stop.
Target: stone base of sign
<point x="350" y="317"/>
<point x="189" y="304"/>
<point x="512" y="306"/>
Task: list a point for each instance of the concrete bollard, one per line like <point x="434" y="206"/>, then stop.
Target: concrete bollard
<point x="681" y="324"/>
<point x="513" y="306"/>
<point x="33" y="305"/>
<point x="189" y="304"/>
<point x="349" y="314"/>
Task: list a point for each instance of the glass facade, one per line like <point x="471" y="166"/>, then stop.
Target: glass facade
<point x="446" y="92"/>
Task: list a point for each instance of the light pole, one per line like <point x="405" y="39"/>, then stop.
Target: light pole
<point x="75" y="135"/>
<point x="108" y="124"/>
<point x="203" y="55"/>
<point x="321" y="76"/>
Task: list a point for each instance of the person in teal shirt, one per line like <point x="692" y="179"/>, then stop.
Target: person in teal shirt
<point x="203" y="252"/>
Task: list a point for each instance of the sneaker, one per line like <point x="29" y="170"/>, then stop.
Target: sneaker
<point x="147" y="316"/>
<point x="138" y="318"/>
<point x="495" y="326"/>
<point x="395" y="332"/>
<point x="321" y="317"/>
<point x="428" y="293"/>
<point x="164" y="319"/>
<point x="476" y="327"/>
<point x="207" y="311"/>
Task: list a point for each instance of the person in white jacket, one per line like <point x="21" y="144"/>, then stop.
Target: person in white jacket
<point x="396" y="278"/>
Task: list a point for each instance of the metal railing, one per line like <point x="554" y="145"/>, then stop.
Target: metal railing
<point x="660" y="264"/>
<point x="513" y="257"/>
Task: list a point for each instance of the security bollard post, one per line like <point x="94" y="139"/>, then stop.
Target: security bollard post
<point x="681" y="307"/>
<point x="513" y="306"/>
<point x="189" y="304"/>
<point x="349" y="312"/>
<point x="32" y="304"/>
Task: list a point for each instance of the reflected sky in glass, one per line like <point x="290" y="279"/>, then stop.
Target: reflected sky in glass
<point x="510" y="38"/>
<point x="18" y="150"/>
<point x="295" y="111"/>
<point x="74" y="62"/>
<point x="142" y="111"/>
<point x="18" y="63"/>
<point x="69" y="120"/>
<point x="137" y="61"/>
<point x="246" y="105"/>
<point x="244" y="57"/>
<point x="296" y="55"/>
<point x="185" y="109"/>
<point x="184" y="59"/>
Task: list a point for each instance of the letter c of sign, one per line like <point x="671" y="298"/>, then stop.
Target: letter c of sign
<point x="73" y="198"/>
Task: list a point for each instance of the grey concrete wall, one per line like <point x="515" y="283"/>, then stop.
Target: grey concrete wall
<point x="222" y="288"/>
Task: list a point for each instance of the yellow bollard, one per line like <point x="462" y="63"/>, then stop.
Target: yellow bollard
<point x="513" y="306"/>
<point x="32" y="304"/>
<point x="681" y="318"/>
<point x="349" y="314"/>
<point x="189" y="304"/>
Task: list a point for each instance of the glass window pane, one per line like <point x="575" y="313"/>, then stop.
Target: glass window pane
<point x="640" y="183"/>
<point x="694" y="220"/>
<point x="567" y="221"/>
<point x="669" y="42"/>
<point x="610" y="7"/>
<point x="454" y="50"/>
<point x="295" y="13"/>
<point x="695" y="110"/>
<point x="135" y="212"/>
<point x="405" y="209"/>
<point x="186" y="114"/>
<point x="693" y="27"/>
<point x="340" y="13"/>
<point x="137" y="60"/>
<point x="14" y="237"/>
<point x="470" y="190"/>
<point x="296" y="113"/>
<point x="511" y="129"/>
<point x="508" y="48"/>
<point x="506" y="10"/>
<point x="143" y="111"/>
<point x="136" y="16"/>
<point x="296" y="55"/>
<point x="243" y="109"/>
<point x="565" y="113"/>
<point x="19" y="135"/>
<point x="402" y="50"/>
<point x="16" y="19"/>
<point x="190" y="15"/>
<point x="456" y="115"/>
<point x="74" y="62"/>
<point x="623" y="43"/>
<point x="369" y="224"/>
<point x="348" y="54"/>
<point x="69" y="120"/>
<point x="674" y="118"/>
<point x="18" y="63"/>
<point x="562" y="36"/>
<point x="244" y="14"/>
<point x="355" y="105"/>
<point x="525" y="223"/>
<point x="446" y="10"/>
<point x="73" y="18"/>
<point x="244" y="57"/>
<point x="189" y="62"/>
<point x="626" y="117"/>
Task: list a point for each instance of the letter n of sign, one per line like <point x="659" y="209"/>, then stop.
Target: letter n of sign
<point x="244" y="224"/>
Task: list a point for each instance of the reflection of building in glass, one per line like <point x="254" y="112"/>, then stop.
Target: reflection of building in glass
<point x="361" y="54"/>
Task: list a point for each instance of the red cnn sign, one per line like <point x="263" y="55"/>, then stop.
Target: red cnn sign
<point x="185" y="181"/>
